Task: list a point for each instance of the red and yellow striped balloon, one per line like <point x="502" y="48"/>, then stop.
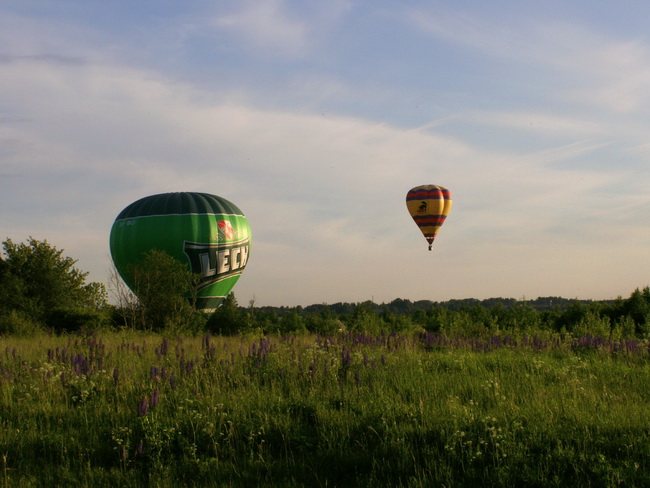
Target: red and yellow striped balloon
<point x="429" y="206"/>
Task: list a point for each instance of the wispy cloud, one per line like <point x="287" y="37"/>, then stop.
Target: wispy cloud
<point x="547" y="123"/>
<point x="596" y="69"/>
<point x="267" y="25"/>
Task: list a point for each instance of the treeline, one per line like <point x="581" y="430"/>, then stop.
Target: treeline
<point x="40" y="288"/>
<point x="613" y="319"/>
<point x="405" y="306"/>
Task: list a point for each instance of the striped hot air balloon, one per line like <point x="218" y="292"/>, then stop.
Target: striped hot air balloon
<point x="429" y="206"/>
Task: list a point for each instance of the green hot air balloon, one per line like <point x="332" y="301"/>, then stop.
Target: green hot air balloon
<point x="207" y="232"/>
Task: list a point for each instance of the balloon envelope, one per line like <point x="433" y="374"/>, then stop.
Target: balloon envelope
<point x="429" y="206"/>
<point x="208" y="233"/>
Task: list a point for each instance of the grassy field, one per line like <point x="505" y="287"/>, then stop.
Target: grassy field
<point x="134" y="409"/>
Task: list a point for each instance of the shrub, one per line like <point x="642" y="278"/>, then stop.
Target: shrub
<point x="594" y="325"/>
<point x="228" y="319"/>
<point x="76" y="319"/>
<point x="623" y="329"/>
<point x="462" y="324"/>
<point x="292" y="323"/>
<point x="365" y="320"/>
<point x="14" y="322"/>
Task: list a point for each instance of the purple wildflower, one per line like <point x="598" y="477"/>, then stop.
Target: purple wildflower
<point x="143" y="407"/>
<point x="206" y="341"/>
<point x="153" y="401"/>
<point x="346" y="357"/>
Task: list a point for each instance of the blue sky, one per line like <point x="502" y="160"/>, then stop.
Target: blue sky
<point x="316" y="118"/>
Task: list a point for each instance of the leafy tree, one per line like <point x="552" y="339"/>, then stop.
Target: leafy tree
<point x="228" y="319"/>
<point x="519" y="317"/>
<point x="365" y="320"/>
<point x="292" y="323"/>
<point x="166" y="292"/>
<point x="434" y="319"/>
<point x="396" y="322"/>
<point x="266" y="320"/>
<point x="593" y="324"/>
<point x="463" y="324"/>
<point x="324" y="321"/>
<point x="400" y="306"/>
<point x="624" y="328"/>
<point x="37" y="281"/>
<point x="637" y="307"/>
<point x="574" y="313"/>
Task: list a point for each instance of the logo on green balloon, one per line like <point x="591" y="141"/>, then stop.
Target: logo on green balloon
<point x="216" y="262"/>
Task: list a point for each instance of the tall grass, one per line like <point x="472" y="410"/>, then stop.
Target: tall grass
<point x="134" y="409"/>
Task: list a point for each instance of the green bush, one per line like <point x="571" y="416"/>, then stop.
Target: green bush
<point x="228" y="319"/>
<point x="76" y="319"/>
<point x="292" y="323"/>
<point x="17" y="323"/>
<point x="462" y="324"/>
<point x="593" y="325"/>
<point x="365" y="320"/>
<point x="623" y="329"/>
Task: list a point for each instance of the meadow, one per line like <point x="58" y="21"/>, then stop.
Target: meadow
<point x="126" y="408"/>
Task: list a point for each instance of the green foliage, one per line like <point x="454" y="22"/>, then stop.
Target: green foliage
<point x="78" y="319"/>
<point x="324" y="322"/>
<point x="592" y="324"/>
<point x="365" y="320"/>
<point x="228" y="319"/>
<point x="433" y="319"/>
<point x="397" y="322"/>
<point x="17" y="323"/>
<point x="291" y="323"/>
<point x="521" y="316"/>
<point x="36" y="279"/>
<point x="161" y="286"/>
<point x="625" y="328"/>
<point x="619" y="319"/>
<point x="637" y="307"/>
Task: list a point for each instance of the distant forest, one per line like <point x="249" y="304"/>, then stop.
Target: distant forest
<point x="611" y="319"/>
<point x="405" y="306"/>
